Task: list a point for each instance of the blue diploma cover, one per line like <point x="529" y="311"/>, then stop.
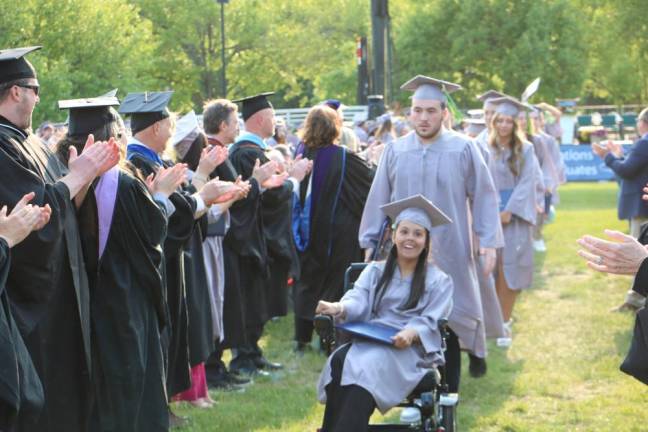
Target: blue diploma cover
<point x="374" y="332"/>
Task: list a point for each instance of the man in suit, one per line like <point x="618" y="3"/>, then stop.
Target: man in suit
<point x="633" y="171"/>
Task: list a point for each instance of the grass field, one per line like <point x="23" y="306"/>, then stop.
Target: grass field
<point x="561" y="374"/>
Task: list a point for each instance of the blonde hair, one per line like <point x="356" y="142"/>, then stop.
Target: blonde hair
<point x="516" y="159"/>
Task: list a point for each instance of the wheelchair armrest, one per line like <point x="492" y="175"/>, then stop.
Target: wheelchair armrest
<point x="443" y="327"/>
<point x="325" y="328"/>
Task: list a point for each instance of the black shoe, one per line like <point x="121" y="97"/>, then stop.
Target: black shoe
<point x="263" y="363"/>
<point x="246" y="367"/>
<point x="477" y="366"/>
<point x="225" y="381"/>
<point x="238" y="381"/>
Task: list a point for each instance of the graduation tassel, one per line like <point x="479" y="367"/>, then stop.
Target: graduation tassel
<point x="452" y="106"/>
<point x="529" y="126"/>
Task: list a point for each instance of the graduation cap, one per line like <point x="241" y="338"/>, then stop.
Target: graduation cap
<point x="336" y="104"/>
<point x="474" y="125"/>
<point x="88" y="115"/>
<point x="508" y="105"/>
<point x="253" y="104"/>
<point x="489" y="94"/>
<point x="14" y="65"/>
<point x="416" y="209"/>
<point x="187" y="130"/>
<point x="425" y="87"/>
<point x="475" y="114"/>
<point x="146" y="108"/>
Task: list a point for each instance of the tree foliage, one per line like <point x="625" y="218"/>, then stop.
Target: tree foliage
<point x="305" y="51"/>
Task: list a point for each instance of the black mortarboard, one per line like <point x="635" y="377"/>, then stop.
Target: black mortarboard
<point x="14" y="66"/>
<point x="88" y="115"/>
<point x="146" y="108"/>
<point x="253" y="104"/>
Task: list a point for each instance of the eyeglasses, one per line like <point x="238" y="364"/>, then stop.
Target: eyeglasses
<point x="35" y="88"/>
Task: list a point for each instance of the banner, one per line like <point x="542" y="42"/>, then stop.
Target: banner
<point x="583" y="165"/>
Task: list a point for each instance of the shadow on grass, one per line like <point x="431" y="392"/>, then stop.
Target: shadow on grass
<point x="622" y="341"/>
<point x="481" y="398"/>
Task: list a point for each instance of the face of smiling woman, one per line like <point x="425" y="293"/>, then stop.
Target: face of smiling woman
<point x="410" y="240"/>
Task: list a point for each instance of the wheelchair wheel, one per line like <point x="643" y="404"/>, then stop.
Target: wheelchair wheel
<point x="449" y="418"/>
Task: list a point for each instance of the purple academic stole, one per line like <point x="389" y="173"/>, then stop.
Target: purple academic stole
<point x="106" y="195"/>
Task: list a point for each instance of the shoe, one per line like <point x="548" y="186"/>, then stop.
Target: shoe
<point x="201" y="403"/>
<point x="507" y="340"/>
<point x="265" y="364"/>
<point x="234" y="380"/>
<point x="539" y="245"/>
<point x="477" y="366"/>
<point x="247" y="368"/>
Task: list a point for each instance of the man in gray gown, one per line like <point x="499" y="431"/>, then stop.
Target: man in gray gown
<point x="445" y="167"/>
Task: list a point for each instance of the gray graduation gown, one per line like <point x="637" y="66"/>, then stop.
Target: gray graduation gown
<point x="389" y="373"/>
<point x="517" y="254"/>
<point x="493" y="318"/>
<point x="450" y="172"/>
<point x="215" y="268"/>
<point x="553" y="149"/>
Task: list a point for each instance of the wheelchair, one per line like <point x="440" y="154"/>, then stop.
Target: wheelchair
<point x="429" y="407"/>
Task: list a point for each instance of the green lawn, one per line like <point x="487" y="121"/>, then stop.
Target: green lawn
<point x="561" y="374"/>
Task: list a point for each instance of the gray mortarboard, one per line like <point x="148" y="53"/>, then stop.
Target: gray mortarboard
<point x="416" y="209"/>
<point x="489" y="94"/>
<point x="88" y="115"/>
<point x="508" y="105"/>
<point x="14" y="65"/>
<point x="475" y="114"/>
<point x="428" y="88"/>
<point x="253" y="104"/>
<point x="146" y="108"/>
<point x="474" y="125"/>
<point x="187" y="130"/>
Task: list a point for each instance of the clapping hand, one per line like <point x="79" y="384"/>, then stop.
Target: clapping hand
<point x="210" y="159"/>
<point x="167" y="180"/>
<point x="95" y="159"/>
<point x="622" y="256"/>
<point x="23" y="219"/>
<point x="300" y="168"/>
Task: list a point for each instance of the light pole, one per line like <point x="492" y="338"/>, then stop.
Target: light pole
<point x="223" y="61"/>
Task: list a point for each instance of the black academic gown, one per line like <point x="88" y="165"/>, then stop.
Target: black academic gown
<point x="128" y="307"/>
<point x="47" y="285"/>
<point x="334" y="228"/>
<point x="20" y="387"/>
<point x="180" y="228"/>
<point x="201" y="328"/>
<point x="246" y="235"/>
<point x="282" y="255"/>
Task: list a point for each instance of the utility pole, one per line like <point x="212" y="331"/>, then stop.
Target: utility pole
<point x="379" y="17"/>
<point x="363" y="71"/>
<point x="223" y="61"/>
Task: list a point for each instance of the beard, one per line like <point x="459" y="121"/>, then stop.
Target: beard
<point x="432" y="131"/>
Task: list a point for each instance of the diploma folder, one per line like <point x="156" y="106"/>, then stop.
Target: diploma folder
<point x="505" y="196"/>
<point x="374" y="332"/>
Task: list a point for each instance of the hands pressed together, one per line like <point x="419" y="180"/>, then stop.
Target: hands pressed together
<point x="23" y="219"/>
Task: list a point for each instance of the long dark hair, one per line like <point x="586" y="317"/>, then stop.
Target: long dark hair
<point x="418" y="279"/>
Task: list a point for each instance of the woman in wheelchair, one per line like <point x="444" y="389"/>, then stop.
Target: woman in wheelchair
<point x="406" y="292"/>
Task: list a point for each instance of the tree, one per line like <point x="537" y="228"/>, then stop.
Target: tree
<point x="501" y="44"/>
<point x="88" y="47"/>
